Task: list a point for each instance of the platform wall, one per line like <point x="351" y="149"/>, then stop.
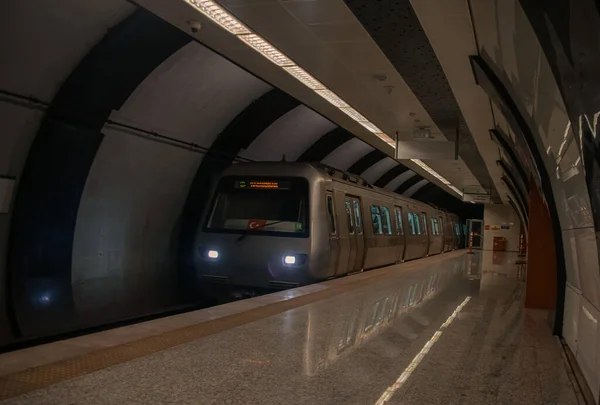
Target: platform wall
<point x="544" y="54"/>
<point x="505" y="218"/>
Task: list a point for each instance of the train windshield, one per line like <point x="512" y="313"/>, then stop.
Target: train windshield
<point x="261" y="205"/>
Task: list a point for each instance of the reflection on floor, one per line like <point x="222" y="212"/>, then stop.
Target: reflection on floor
<point x="445" y="330"/>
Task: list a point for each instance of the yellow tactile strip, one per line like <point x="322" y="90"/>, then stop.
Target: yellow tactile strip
<point x="21" y="382"/>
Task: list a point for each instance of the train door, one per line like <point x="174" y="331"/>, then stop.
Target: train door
<point x="400" y="233"/>
<point x="428" y="238"/>
<point x="359" y="233"/>
<point x="345" y="238"/>
<point x="351" y="233"/>
<point x="442" y="232"/>
<point x="334" y="238"/>
<point x="454" y="237"/>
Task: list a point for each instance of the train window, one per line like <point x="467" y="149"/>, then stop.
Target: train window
<point x="358" y="217"/>
<point x="376" y="218"/>
<point x="457" y="227"/>
<point x="411" y="221"/>
<point x="398" y="216"/>
<point x="433" y="226"/>
<point x="425" y="224"/>
<point x="417" y="223"/>
<point x="278" y="208"/>
<point x="331" y="213"/>
<point x="385" y="220"/>
<point x="441" y="224"/>
<point x="349" y="217"/>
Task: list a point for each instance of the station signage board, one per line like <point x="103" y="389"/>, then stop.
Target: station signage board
<point x="477" y="198"/>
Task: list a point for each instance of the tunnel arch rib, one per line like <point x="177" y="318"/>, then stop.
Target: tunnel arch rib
<point x="47" y="201"/>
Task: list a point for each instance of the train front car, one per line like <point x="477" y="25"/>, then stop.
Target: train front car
<point x="259" y="231"/>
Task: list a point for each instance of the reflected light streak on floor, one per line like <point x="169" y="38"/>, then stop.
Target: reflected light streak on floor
<point x="389" y="392"/>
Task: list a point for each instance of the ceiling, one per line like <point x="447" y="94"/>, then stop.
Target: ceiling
<point x="326" y="39"/>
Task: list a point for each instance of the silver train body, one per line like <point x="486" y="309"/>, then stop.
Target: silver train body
<point x="280" y="225"/>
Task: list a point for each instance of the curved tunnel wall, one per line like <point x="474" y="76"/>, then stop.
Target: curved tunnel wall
<point x="126" y="234"/>
<point x="103" y="214"/>
<point x="68" y="32"/>
<point x="546" y="54"/>
<point x="52" y="182"/>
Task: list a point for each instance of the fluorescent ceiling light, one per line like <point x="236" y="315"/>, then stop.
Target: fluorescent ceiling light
<point x="219" y="15"/>
<point x="371" y="127"/>
<point x="332" y="98"/>
<point x="352" y="113"/>
<point x="266" y="49"/>
<point x="305" y="78"/>
<point x="216" y="13"/>
<point x="460" y="193"/>
<point x="385" y="138"/>
<point x="437" y="176"/>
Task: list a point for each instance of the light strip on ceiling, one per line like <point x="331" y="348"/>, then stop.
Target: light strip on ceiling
<point x="266" y="49"/>
<point x="216" y="13"/>
<point x="219" y="15"/>
<point x="385" y="138"/>
<point x="457" y="191"/>
<point x="372" y="128"/>
<point x="389" y="392"/>
<point x="436" y="175"/>
<point x="306" y="79"/>
<point x="355" y="115"/>
<point x="332" y="98"/>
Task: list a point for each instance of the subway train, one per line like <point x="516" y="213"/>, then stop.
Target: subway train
<point x="278" y="225"/>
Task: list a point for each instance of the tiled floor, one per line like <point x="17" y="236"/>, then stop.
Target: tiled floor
<point x="443" y="330"/>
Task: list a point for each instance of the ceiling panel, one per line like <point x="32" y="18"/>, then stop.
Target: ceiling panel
<point x="295" y="34"/>
<point x="263" y="14"/>
<point x="394" y="184"/>
<point x="339" y="32"/>
<point x="319" y="11"/>
<point x="291" y="135"/>
<point x="378" y="169"/>
<point x="413" y="189"/>
<point x="385" y="100"/>
<point x="348" y="153"/>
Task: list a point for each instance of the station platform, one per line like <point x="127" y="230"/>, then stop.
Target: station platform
<point x="448" y="329"/>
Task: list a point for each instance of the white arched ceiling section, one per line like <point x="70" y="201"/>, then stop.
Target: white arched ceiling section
<point x="41" y="43"/>
<point x="347" y="153"/>
<point x="192" y="96"/>
<point x="397" y="182"/>
<point x="378" y="169"/>
<point x="127" y="224"/>
<point x="415" y="187"/>
<point x="290" y="135"/>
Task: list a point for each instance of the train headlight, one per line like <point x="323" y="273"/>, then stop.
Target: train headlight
<point x="294" y="260"/>
<point x="212" y="254"/>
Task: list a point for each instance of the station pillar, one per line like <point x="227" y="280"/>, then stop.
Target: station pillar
<point x="540" y="291"/>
